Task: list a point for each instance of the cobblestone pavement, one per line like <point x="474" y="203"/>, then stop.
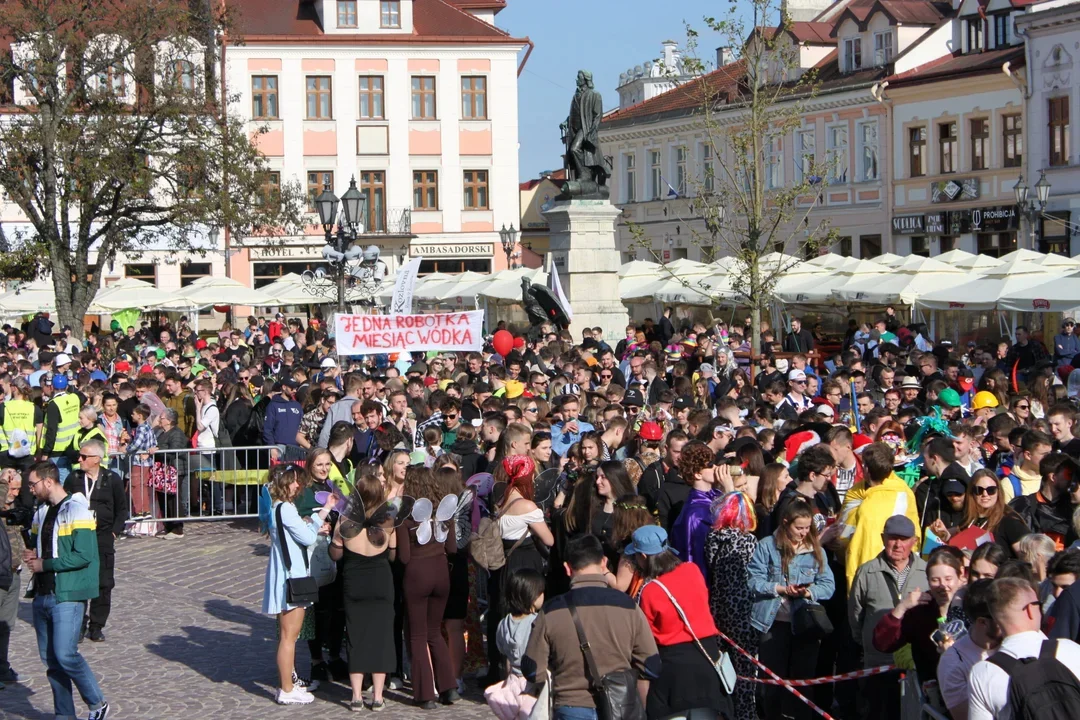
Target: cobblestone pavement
<point x="186" y="640"/>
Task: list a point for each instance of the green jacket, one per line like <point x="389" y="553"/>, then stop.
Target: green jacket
<point x="74" y="549"/>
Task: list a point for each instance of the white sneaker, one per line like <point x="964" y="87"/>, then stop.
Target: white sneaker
<point x="305" y="683"/>
<point x="298" y="696"/>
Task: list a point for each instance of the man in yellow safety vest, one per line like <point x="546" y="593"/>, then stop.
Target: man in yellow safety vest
<point x="19" y="413"/>
<point x="61" y="422"/>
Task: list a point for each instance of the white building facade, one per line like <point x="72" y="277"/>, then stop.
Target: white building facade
<point x="1052" y="43"/>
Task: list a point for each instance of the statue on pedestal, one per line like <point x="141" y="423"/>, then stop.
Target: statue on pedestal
<point x="587" y="168"/>
<point x="541" y="307"/>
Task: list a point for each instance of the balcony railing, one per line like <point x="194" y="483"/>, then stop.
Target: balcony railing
<point x="391" y="221"/>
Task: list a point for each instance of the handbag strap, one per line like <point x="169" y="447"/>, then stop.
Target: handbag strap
<point x="583" y="642"/>
<point x="286" y="556"/>
<point x="682" y="615"/>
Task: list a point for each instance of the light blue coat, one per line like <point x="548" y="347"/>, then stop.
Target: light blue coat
<point x="300" y="533"/>
<point x="765" y="572"/>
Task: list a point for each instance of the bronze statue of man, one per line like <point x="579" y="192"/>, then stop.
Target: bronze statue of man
<point x="581" y="133"/>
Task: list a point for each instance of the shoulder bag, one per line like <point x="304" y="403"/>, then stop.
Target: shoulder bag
<point x="297" y="590"/>
<point x="616" y="694"/>
<point x="486" y="544"/>
<point x="811" y="621"/>
<point x="722" y="665"/>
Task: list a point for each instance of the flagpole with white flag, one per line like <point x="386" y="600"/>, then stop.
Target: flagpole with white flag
<point x="402" y="300"/>
<point x="556" y="287"/>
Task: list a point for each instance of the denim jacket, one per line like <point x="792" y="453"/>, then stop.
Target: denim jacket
<point x="765" y="573"/>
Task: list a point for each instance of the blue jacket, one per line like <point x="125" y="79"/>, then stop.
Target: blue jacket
<point x="765" y="573"/>
<point x="561" y="441"/>
<point x="282" y="421"/>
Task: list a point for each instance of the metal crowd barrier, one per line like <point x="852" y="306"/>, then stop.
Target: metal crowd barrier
<point x="192" y="484"/>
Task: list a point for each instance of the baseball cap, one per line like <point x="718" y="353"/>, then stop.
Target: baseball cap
<point x="650" y="431"/>
<point x="196" y="369"/>
<point x="328" y="363"/>
<point x="122" y="366"/>
<point x="682" y="402"/>
<point x="63" y="359"/>
<point x="899" y="526"/>
<point x="706" y="369"/>
<point x="223" y="357"/>
<point x="200" y="344"/>
<point x="825" y="410"/>
<point x="649" y="540"/>
<point x="633" y="397"/>
<point x="796" y="375"/>
<point x="290" y="383"/>
<point x="953" y="487"/>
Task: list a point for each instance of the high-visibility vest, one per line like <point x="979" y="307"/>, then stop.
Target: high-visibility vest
<point x="19" y="414"/>
<point x="95" y="433"/>
<point x="344" y="483"/>
<point x="68" y="405"/>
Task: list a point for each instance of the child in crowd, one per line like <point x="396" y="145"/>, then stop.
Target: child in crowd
<point x="523" y="596"/>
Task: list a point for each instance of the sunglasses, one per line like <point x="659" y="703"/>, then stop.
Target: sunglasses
<point x="606" y="376"/>
<point x="632" y="409"/>
<point x="981" y="490"/>
<point x="1023" y="407"/>
<point x="451" y="417"/>
<point x="84" y="456"/>
<point x="532" y="409"/>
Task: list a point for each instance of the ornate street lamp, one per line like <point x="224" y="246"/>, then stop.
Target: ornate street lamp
<point x="351" y="265"/>
<point x="1029" y="208"/>
<point x="509" y="240"/>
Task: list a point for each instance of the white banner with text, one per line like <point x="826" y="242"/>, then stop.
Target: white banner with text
<point x="372" y="334"/>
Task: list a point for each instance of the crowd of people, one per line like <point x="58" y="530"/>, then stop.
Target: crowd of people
<point x="666" y="514"/>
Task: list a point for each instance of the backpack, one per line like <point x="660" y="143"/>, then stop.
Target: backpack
<point x="18" y="443"/>
<point x="1040" y="688"/>
<point x="486" y="544"/>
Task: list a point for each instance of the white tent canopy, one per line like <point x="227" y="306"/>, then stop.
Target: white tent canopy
<point x="211" y="290"/>
<point x="907" y="281"/>
<point x="505" y="285"/>
<point x="289" y="290"/>
<point x="817" y="289"/>
<point x="1052" y="293"/>
<point x="131" y="293"/>
<point x="986" y="288"/>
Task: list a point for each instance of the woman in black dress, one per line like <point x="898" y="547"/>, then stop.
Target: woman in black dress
<point x="369" y="597"/>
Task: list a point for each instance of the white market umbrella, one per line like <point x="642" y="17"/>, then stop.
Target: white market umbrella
<point x="889" y="259"/>
<point x="956" y="257"/>
<point x="907" y="281"/>
<point x="289" y="290"/>
<point x="638" y="268"/>
<point x="1023" y="254"/>
<point x="462" y="286"/>
<point x="30" y="298"/>
<point x="214" y="290"/>
<point x="506" y="284"/>
<point x="668" y="278"/>
<point x="986" y="288"/>
<point x="817" y="289"/>
<point x="130" y="293"/>
<point x="1053" y="293"/>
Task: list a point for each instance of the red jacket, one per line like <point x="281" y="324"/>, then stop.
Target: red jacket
<point x="687" y="584"/>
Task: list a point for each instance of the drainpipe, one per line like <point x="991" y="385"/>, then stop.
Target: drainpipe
<point x="877" y="91"/>
<point x="521" y="67"/>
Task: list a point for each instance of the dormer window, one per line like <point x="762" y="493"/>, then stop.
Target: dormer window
<point x="1001" y="31"/>
<point x="883" y="47"/>
<point x="852" y="54"/>
<point x="976" y="35"/>
<point x="390" y="13"/>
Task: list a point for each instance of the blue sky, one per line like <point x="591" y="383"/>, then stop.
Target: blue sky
<point x="604" y="36"/>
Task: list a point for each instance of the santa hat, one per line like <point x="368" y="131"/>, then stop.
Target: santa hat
<point x="859" y="442"/>
<point x="798" y="442"/>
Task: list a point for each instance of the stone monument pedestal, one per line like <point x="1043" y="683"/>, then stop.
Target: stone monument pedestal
<point x="583" y="249"/>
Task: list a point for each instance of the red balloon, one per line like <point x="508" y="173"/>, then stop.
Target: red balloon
<point x="503" y="342"/>
<point x="519" y="342"/>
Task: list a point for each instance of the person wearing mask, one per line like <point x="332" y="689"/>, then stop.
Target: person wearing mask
<point x="63" y="556"/>
<point x="1016" y="610"/>
<point x="615" y="629"/>
<point x="954" y="667"/>
<point x="918" y="614"/>
<point x="675" y="601"/>
<point x="879" y="584"/>
<point x="108" y="501"/>
<point x="787" y="572"/>
<point x="61" y="422"/>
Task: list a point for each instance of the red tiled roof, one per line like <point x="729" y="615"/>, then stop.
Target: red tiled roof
<point x="814" y="33"/>
<point x="685" y="97"/>
<point x="495" y="5"/>
<point x="955" y="65"/>
<point x="558" y="177"/>
<point x="910" y="12"/>
<point x="433" y="21"/>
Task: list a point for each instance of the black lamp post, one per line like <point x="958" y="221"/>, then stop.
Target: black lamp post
<point x="509" y="240"/>
<point x="338" y="245"/>
<point x="1026" y="206"/>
